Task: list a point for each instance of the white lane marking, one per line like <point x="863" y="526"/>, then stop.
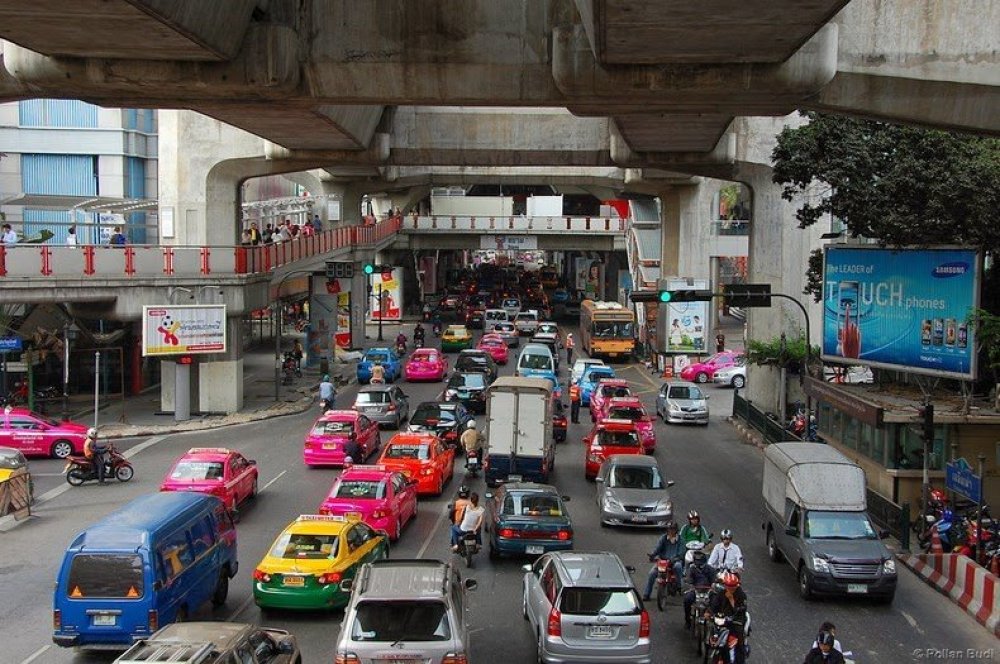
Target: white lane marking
<point x="240" y="609"/>
<point x="132" y="451"/>
<point x="913" y="621"/>
<point x="274" y="479"/>
<point x="35" y="655"/>
<point x="430" y="535"/>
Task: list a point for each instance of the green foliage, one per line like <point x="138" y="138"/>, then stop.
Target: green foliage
<point x="899" y="185"/>
<point x="43" y="236"/>
<point x="987" y="328"/>
<point x="771" y="353"/>
<point x="814" y="275"/>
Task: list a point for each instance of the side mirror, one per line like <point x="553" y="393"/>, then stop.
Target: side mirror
<point x="565" y="499"/>
<point x="347" y="585"/>
<point x="489" y="494"/>
<point x="158" y="586"/>
<point x="882" y="534"/>
<point x="252" y="462"/>
<point x="286" y="646"/>
<point x="631" y="570"/>
<point x="670" y="483"/>
<point x="792" y="531"/>
<point x="599" y="479"/>
<point x="471" y="584"/>
<point x="525" y="568"/>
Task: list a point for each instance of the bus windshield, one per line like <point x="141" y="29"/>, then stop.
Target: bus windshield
<point x="613" y="329"/>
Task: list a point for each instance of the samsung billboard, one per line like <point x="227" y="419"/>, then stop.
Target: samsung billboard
<point x="902" y="309"/>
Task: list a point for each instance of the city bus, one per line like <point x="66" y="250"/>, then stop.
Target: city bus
<point x="549" y="276"/>
<point x="607" y="329"/>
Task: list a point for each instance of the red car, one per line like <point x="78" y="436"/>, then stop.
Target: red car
<point x="495" y="345"/>
<point x="608" y="388"/>
<point x="606" y="438"/>
<point x="422" y="457"/>
<point x="326" y="441"/>
<point x="383" y="498"/>
<point x="631" y="409"/>
<point x="218" y="471"/>
<point x="703" y="372"/>
<point x="36" y="435"/>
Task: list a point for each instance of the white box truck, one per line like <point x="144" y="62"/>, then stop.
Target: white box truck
<point x="815" y="518"/>
<point x="519" y="442"/>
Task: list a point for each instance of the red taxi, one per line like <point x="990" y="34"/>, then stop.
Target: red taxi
<point x="495" y="345"/>
<point x="420" y="456"/>
<point x="218" y="471"/>
<point x="425" y="364"/>
<point x="608" y="388"/>
<point x="606" y="438"/>
<point x="631" y="409"/>
<point x="325" y="442"/>
<point x="382" y="498"/>
<point x="33" y="434"/>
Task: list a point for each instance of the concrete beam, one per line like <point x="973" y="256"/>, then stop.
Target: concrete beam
<point x="320" y="128"/>
<point x="622" y="154"/>
<point x="673" y="132"/>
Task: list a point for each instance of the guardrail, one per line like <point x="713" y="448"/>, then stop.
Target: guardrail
<point x="432" y="223"/>
<point x="148" y="261"/>
<point x="771" y="429"/>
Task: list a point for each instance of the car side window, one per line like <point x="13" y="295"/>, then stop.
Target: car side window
<point x="793" y="518"/>
<point x="536" y="569"/>
<point x="244" y="655"/>
<point x="398" y="483"/>
<point x="364" y="422"/>
<point x="354" y="539"/>
<point x="548" y="583"/>
<point x="264" y="648"/>
<point x="364" y="533"/>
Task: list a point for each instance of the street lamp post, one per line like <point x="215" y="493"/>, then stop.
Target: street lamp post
<point x="380" y="311"/>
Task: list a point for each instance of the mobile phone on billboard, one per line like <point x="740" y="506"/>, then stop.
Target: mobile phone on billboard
<point x="963" y="336"/>
<point x="925" y="332"/>
<point x="950" y="329"/>
<point x="938" y="332"/>
<point x="848" y="295"/>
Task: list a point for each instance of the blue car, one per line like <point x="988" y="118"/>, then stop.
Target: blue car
<point x="560" y="296"/>
<point x="527" y="519"/>
<point x="386" y="357"/>
<point x="592" y="375"/>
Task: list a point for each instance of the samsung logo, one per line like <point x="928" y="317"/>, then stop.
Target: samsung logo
<point x="950" y="270"/>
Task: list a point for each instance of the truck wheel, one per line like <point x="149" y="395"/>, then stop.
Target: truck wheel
<point x="805" y="589"/>
<point x="772" y="547"/>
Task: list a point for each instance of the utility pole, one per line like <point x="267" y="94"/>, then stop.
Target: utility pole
<point x="927" y="414"/>
<point x="381" y="311"/>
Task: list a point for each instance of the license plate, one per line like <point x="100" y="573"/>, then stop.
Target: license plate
<point x="514" y="478"/>
<point x="293" y="581"/>
<point x="601" y="632"/>
<point x="639" y="519"/>
<point x="329" y="446"/>
<point x="857" y="588"/>
<point x="532" y="550"/>
<point x="105" y="620"/>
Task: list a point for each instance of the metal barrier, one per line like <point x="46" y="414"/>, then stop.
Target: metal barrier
<point x="15" y="495"/>
<point x="890" y="516"/>
<point x="771" y="429"/>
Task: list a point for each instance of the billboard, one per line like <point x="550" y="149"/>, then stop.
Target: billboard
<point x="589" y="277"/>
<point x="391" y="283"/>
<point x="687" y="322"/>
<point x="508" y="242"/>
<point x="183" y="329"/>
<point x="905" y="309"/>
<point x="323" y="323"/>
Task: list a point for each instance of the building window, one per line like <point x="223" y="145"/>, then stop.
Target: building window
<point x="878" y="445"/>
<point x="849" y="435"/>
<point x="909" y="448"/>
<point x="57" y="113"/>
<point x="866" y="433"/>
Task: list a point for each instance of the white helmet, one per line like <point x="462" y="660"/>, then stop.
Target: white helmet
<point x="471" y="424"/>
<point x="91" y="432"/>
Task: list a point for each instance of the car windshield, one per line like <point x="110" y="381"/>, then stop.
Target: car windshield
<point x="600" y="601"/>
<point x="469" y="380"/>
<point x="374" y="489"/>
<point x="598" y="376"/>
<point x="298" y="546"/>
<point x="401" y="621"/>
<point x="614" y="391"/>
<point x="333" y="428"/>
<point x="526" y="317"/>
<point x="432" y="414"/>
<point x="635" y="477"/>
<point x="613" y="330"/>
<point x="424" y="357"/>
<point x="197" y="470"/>
<point x="372" y="397"/>
<point x="472" y="360"/>
<point x="377" y="357"/>
<point x="838" y="526"/>
<point x="111" y="576"/>
<point x="618" y="439"/>
<point x="685" y="392"/>
<point x="629" y="413"/>
<point x="532" y="504"/>
<point x="496" y="315"/>
<point x="548" y="328"/>
<point x="535" y="361"/>
<point x="418" y="451"/>
<point x="505" y="327"/>
<point x="511" y="304"/>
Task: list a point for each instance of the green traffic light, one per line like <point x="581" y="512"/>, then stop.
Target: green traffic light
<point x="369" y="268"/>
<point x="665" y="296"/>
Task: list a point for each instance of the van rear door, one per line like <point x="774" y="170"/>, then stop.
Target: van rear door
<point x="103" y="598"/>
<point x="502" y="432"/>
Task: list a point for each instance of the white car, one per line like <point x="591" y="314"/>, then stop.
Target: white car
<point x="579" y="366"/>
<point x="734" y="376"/>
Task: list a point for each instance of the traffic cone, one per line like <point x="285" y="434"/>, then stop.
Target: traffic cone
<point x="936" y="541"/>
<point x="668" y="372"/>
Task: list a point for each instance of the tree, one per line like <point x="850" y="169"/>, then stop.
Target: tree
<point x="898" y="185"/>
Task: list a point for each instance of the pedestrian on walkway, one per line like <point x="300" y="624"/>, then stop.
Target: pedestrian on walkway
<point x="7" y="235"/>
<point x="254" y="233"/>
<point x="574" y="401"/>
<point x="570" y="345"/>
<point x="117" y="238"/>
<point x="720" y="342"/>
<point x="71" y="237"/>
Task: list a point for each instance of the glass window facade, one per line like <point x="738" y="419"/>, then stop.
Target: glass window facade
<point x="894" y="445"/>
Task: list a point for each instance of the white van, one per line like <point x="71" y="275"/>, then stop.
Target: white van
<point x="493" y="316"/>
<point x="526" y="322"/>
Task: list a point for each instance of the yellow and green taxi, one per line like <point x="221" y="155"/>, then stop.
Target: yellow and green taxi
<point x="311" y="557"/>
<point x="456" y="337"/>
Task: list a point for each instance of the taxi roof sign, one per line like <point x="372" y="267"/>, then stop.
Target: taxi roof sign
<point x="336" y="518"/>
<point x="379" y="467"/>
<point x="616" y="425"/>
<point x="209" y="450"/>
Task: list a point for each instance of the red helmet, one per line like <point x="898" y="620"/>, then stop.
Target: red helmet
<point x="730" y="580"/>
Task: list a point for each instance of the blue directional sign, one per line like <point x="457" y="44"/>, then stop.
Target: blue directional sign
<point x="960" y="479"/>
<point x="10" y="344"/>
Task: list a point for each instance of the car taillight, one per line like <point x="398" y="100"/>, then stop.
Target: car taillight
<point x="261" y="575"/>
<point x="346" y="658"/>
<point x="324" y="510"/>
<point x="330" y="577"/>
<point x="455" y="658"/>
<point x="565" y="535"/>
<point x="153" y="618"/>
<point x="644" y="625"/>
<point x="555" y="622"/>
<point x="391" y="408"/>
<point x="57" y="620"/>
<point x="506" y="532"/>
<point x="427" y="471"/>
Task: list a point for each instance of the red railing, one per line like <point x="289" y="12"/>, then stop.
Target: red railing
<point x="535" y="224"/>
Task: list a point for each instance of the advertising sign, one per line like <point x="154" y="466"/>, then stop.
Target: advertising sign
<point x="960" y="479"/>
<point x="903" y="309"/>
<point x="323" y="316"/>
<point x="183" y="329"/>
<point x="589" y="278"/>
<point x="508" y="242"/>
<point x="391" y="283"/>
<point x="10" y="344"/>
<point x="344" y="320"/>
<point x="687" y="322"/>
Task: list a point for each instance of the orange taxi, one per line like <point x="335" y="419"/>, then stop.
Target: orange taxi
<point x="420" y="456"/>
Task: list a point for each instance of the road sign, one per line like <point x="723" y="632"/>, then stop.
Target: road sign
<point x="747" y="295"/>
<point x="8" y="344"/>
<point x="960" y="479"/>
<point x="339" y="270"/>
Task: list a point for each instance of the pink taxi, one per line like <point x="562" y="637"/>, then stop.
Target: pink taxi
<point x="632" y="410"/>
<point x="608" y="388"/>
<point x="495" y="345"/>
<point x="33" y="434"/>
<point x="426" y="364"/>
<point x="703" y="372"/>
<point x="326" y="442"/>
<point x="218" y="471"/>
<point x="383" y="498"/>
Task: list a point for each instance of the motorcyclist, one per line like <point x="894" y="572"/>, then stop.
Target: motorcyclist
<point x="352" y="450"/>
<point x="668" y="547"/>
<point x="418" y="335"/>
<point x="458" y="507"/>
<point x="471" y="438"/>
<point x="731" y="603"/>
<point x="96" y="452"/>
<point x="327" y="393"/>
<point x="693" y="531"/>
<point x="726" y="556"/>
<point x="401" y="343"/>
<point x="436" y="327"/>
<point x="378" y="375"/>
<point x="832" y="629"/>
<point x="824" y="652"/>
<point x="472" y="521"/>
<point x="697" y="575"/>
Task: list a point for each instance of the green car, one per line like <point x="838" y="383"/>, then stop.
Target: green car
<point x="456" y="338"/>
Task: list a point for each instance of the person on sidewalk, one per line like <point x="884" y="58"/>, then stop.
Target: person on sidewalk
<point x="574" y="401"/>
<point x="720" y="342"/>
<point x="327" y="393"/>
<point x="298" y="352"/>
<point x="570" y="345"/>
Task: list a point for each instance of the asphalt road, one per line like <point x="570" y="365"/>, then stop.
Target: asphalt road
<point x="714" y="473"/>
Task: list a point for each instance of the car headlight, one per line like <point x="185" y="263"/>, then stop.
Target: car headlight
<point x="611" y="503"/>
<point x="889" y="566"/>
<point x="820" y="564"/>
<point x="665" y="506"/>
<point x="673" y="406"/>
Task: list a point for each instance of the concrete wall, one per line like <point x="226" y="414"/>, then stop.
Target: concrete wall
<point x="475" y="206"/>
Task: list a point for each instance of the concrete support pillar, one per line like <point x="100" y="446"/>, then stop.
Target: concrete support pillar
<point x="670" y="231"/>
<point x="220" y="379"/>
<point x="683" y="214"/>
<point x="350" y="195"/>
<point x="359" y="300"/>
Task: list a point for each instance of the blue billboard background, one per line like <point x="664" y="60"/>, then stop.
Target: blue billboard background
<point x="904" y="309"/>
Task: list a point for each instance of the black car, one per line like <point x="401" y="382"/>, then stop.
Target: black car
<point x="559" y="423"/>
<point x="468" y="387"/>
<point x="446" y="420"/>
<point x="479" y="361"/>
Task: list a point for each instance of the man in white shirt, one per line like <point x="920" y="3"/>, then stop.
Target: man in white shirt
<point x="472" y="521"/>
<point x="7" y="236"/>
<point x="726" y="556"/>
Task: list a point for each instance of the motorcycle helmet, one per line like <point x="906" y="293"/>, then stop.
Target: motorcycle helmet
<point x="730" y="580"/>
<point x="671" y="527"/>
<point x="946" y="515"/>
<point x="825" y="638"/>
<point x="726" y="534"/>
<point x="471" y="424"/>
<point x="463" y="491"/>
<point x="693" y="514"/>
<point x="91" y="432"/>
<point x="698" y="557"/>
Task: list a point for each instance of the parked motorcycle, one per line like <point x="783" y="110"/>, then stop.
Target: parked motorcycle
<point x="468" y="547"/>
<point x="472" y="464"/>
<point x="80" y="469"/>
<point x="667" y="583"/>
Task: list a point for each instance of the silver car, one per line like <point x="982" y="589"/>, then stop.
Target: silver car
<point x="631" y="492"/>
<point x="583" y="607"/>
<point x="508" y="333"/>
<point x="386" y="404"/>
<point x="405" y="611"/>
<point x="734" y="376"/>
<point x="681" y="402"/>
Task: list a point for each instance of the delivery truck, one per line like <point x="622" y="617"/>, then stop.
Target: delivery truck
<point x="519" y="442"/>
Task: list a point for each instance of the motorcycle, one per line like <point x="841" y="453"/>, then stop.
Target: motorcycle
<point x="723" y="639"/>
<point x="472" y="464"/>
<point x="80" y="469"/>
<point x="290" y="369"/>
<point x="699" y="627"/>
<point x="468" y="547"/>
<point x="400" y="348"/>
<point x="16" y="396"/>
<point x="436" y="329"/>
<point x="667" y="582"/>
<point x="325" y="405"/>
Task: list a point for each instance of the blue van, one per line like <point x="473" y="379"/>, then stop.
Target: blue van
<point x="153" y="562"/>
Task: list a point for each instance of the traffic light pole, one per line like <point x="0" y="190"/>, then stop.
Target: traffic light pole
<point x="380" y="311"/>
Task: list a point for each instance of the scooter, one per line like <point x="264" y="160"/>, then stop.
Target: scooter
<point x="722" y="639"/>
<point x="325" y="405"/>
<point x="468" y="547"/>
<point x="80" y="469"/>
<point x="667" y="582"/>
<point x="472" y="464"/>
<point x="436" y="328"/>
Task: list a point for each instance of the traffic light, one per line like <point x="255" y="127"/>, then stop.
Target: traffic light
<point x="747" y="295"/>
<point x="371" y="268"/>
<point x="926" y="413"/>
<point x="687" y="295"/>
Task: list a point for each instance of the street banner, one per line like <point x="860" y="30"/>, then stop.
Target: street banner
<point x="906" y="309"/>
<point x="391" y="291"/>
<point x="323" y="316"/>
<point x="183" y="329"/>
<point x="687" y="322"/>
<point x="344" y="320"/>
<point x="508" y="242"/>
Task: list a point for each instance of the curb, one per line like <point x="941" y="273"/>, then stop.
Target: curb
<point x="749" y="435"/>
<point x="968" y="585"/>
